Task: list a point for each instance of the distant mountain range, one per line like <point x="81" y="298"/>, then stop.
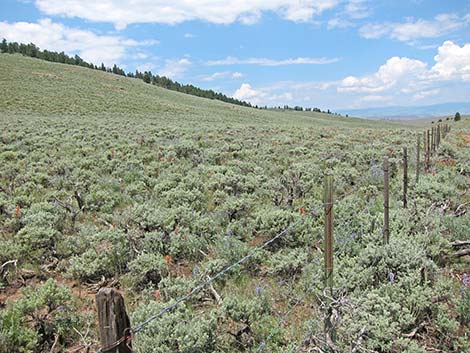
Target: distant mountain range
<point x="411" y="112"/>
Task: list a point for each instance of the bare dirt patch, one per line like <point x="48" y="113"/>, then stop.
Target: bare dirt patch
<point x="46" y="74"/>
<point x="465" y="138"/>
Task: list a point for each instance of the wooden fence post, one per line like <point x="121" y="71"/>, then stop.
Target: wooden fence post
<point x="438" y="135"/>
<point x="433" y="141"/>
<point x="328" y="208"/>
<point x="428" y="151"/>
<point x="114" y="322"/>
<point x="418" y="146"/>
<point x="386" y="231"/>
<point x="425" y="152"/>
<point x="330" y="332"/>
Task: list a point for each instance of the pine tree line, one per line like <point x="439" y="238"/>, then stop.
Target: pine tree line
<point x="33" y="51"/>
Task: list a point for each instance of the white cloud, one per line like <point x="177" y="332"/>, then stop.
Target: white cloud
<point x="374" y="30"/>
<point x="338" y="22"/>
<point x="247" y="93"/>
<point x="413" y="29"/>
<point x="262" y="96"/>
<point x="222" y="75"/>
<point x="189" y="35"/>
<point x="176" y="68"/>
<point x="140" y="56"/>
<point x="57" y="37"/>
<point x="357" y="9"/>
<point x="426" y="93"/>
<point x="145" y="67"/>
<point x="399" y="81"/>
<point x="427" y="47"/>
<point x="124" y="12"/>
<point x="452" y="62"/>
<point x="392" y="74"/>
<point x="376" y="99"/>
<point x="284" y="97"/>
<point x="272" y="62"/>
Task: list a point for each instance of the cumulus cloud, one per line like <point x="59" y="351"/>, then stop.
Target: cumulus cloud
<point x="398" y="81"/>
<point x="401" y="78"/>
<point x="452" y="62"/>
<point x="265" y="95"/>
<point x="175" y="68"/>
<point x="413" y="29"/>
<point x="90" y="46"/>
<point x="247" y="93"/>
<point x="393" y="73"/>
<point x="124" y="12"/>
<point x="271" y="62"/>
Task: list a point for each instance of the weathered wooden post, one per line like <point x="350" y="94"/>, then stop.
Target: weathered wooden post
<point x="433" y="141"/>
<point x="386" y="231"/>
<point x="425" y="151"/>
<point x="328" y="209"/>
<point x="114" y="323"/>
<point x="405" y="176"/>
<point x="418" y="146"/>
<point x="438" y="135"/>
<point x="428" y="152"/>
<point x="330" y="332"/>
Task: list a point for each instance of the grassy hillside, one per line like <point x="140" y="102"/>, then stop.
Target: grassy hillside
<point x="107" y="181"/>
<point x="36" y="86"/>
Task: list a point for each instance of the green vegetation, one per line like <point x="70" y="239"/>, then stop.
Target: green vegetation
<point x="457" y="117"/>
<point x="33" y="51"/>
<point x="39" y="317"/>
<point x="106" y="180"/>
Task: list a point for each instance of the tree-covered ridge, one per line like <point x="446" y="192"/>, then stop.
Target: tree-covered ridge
<point x="33" y="51"/>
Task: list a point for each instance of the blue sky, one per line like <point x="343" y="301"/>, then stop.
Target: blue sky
<point x="332" y="54"/>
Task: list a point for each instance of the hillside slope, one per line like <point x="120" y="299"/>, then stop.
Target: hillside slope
<point x="108" y="182"/>
<point x="33" y="86"/>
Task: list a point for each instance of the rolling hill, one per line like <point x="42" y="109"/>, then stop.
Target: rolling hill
<point x="34" y="86"/>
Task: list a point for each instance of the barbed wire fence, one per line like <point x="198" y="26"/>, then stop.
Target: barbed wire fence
<point x="133" y="330"/>
<point x="130" y="332"/>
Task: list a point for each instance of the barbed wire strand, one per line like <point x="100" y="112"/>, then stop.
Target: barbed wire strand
<point x="284" y="317"/>
<point x="287" y="313"/>
<point x="194" y="291"/>
<point x="304" y="340"/>
<point x="199" y="288"/>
